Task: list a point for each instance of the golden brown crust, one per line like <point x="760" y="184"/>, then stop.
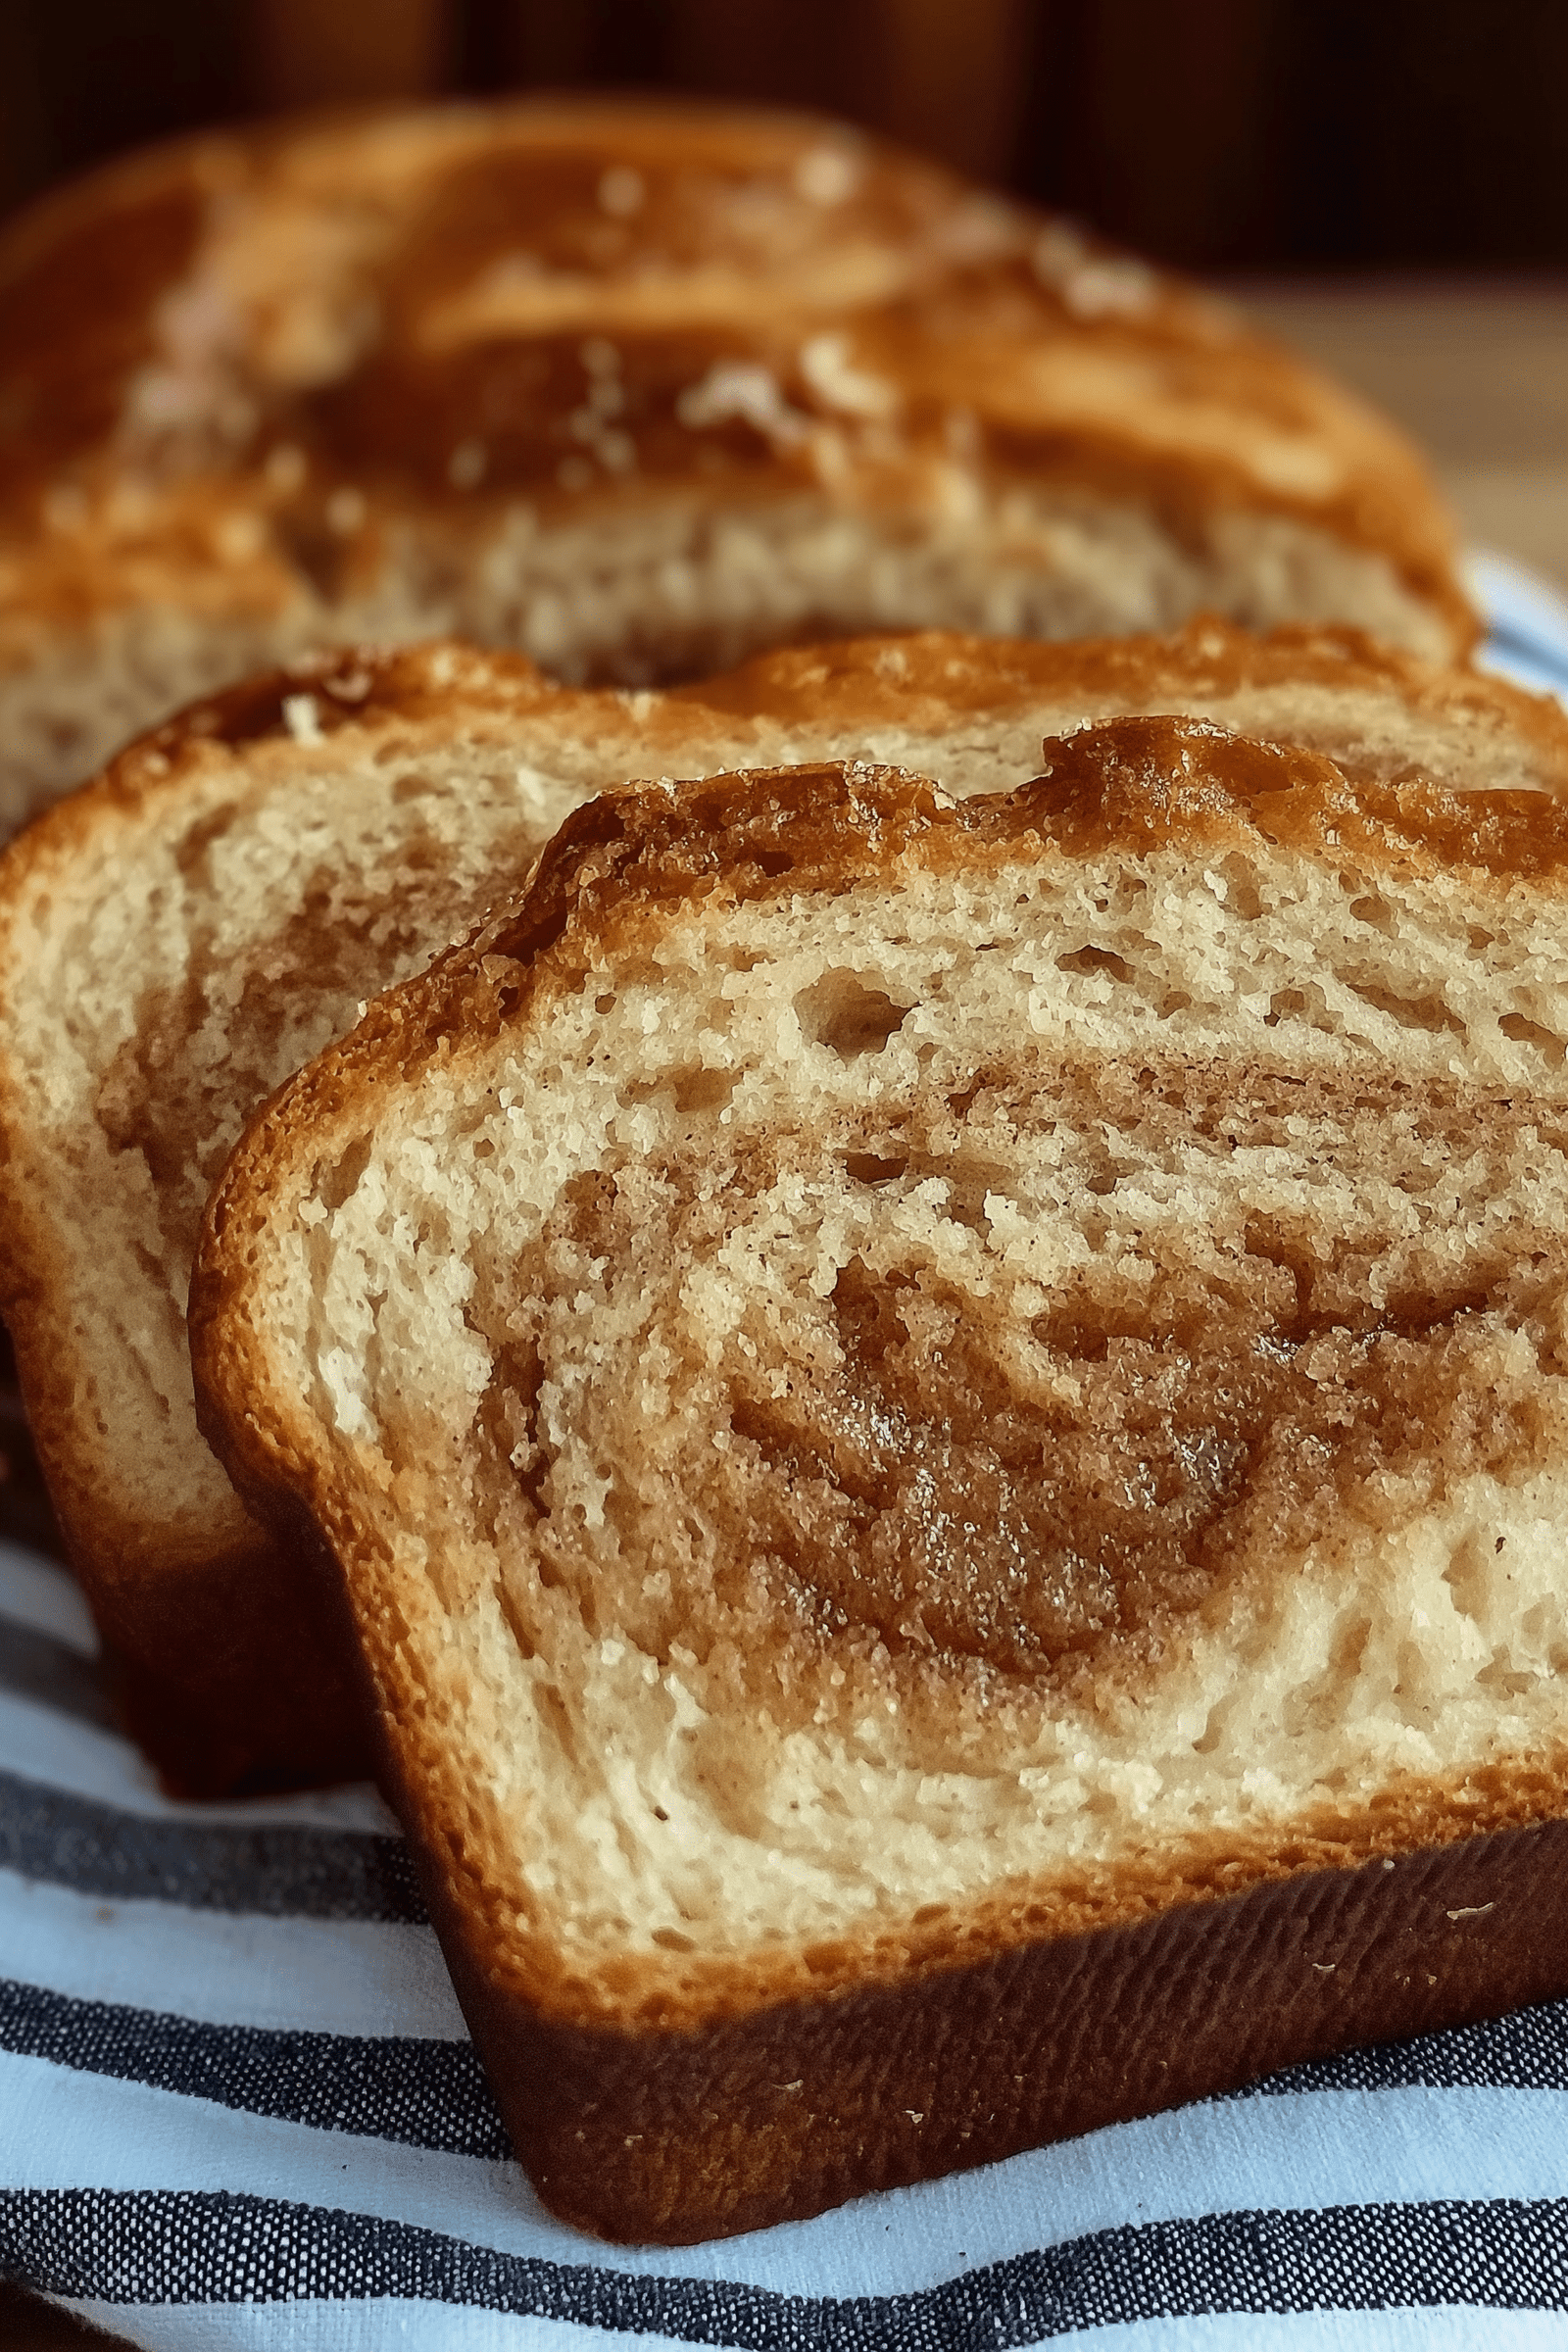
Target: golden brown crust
<point x="628" y="857"/>
<point x="856" y="683"/>
<point x="234" y="370"/>
<point x="26" y="1515"/>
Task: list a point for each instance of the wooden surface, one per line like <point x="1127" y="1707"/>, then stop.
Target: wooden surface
<point x="1479" y="372"/>
<point x="1219" y="133"/>
<point x="312" y="53"/>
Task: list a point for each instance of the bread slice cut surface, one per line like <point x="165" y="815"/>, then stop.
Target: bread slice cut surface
<point x="178" y="939"/>
<point x="925" y="1405"/>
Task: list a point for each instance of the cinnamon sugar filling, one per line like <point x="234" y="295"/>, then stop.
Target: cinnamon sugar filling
<point x="1286" y="1308"/>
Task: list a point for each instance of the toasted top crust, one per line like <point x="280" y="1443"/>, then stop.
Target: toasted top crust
<point x="228" y="368"/>
<point x="1379" y="711"/>
<point x="630" y="860"/>
<point x="418" y="1161"/>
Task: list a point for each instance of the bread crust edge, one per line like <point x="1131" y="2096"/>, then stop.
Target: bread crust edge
<point x="672" y="2138"/>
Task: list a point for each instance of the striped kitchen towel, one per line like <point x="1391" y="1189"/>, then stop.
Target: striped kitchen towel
<point x="1527" y="621"/>
<point x="238" y="2107"/>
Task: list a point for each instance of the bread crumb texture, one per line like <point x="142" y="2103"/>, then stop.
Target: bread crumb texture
<point x="878" y="1365"/>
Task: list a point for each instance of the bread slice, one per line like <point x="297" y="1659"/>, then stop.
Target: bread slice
<point x="947" y="1428"/>
<point x="639" y="390"/>
<point x="177" y="940"/>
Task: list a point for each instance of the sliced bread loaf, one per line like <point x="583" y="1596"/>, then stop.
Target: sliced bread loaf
<point x="946" y="1428"/>
<point x="638" y="389"/>
<point x="176" y="940"/>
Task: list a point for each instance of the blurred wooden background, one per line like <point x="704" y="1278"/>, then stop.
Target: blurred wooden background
<point x="1221" y="134"/>
<point x="1391" y="176"/>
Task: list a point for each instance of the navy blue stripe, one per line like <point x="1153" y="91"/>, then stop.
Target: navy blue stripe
<point x="271" y="1868"/>
<point x="433" y="2094"/>
<point x="161" y="2246"/>
<point x="1528" y="2051"/>
<point x="1522" y="633"/>
<point x="429" y="2094"/>
<point x="36" y="1666"/>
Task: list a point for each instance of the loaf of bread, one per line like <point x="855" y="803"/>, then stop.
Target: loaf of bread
<point x="179" y="938"/>
<point x="638" y="390"/>
<point x="947" y="1427"/>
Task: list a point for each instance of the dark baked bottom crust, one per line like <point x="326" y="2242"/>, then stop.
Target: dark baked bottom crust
<point x="676" y="2137"/>
<point x="255" y="1689"/>
<point x="213" y="1727"/>
<point x="240" y="1737"/>
<point x="26" y="1515"/>
<point x="231" y="1669"/>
